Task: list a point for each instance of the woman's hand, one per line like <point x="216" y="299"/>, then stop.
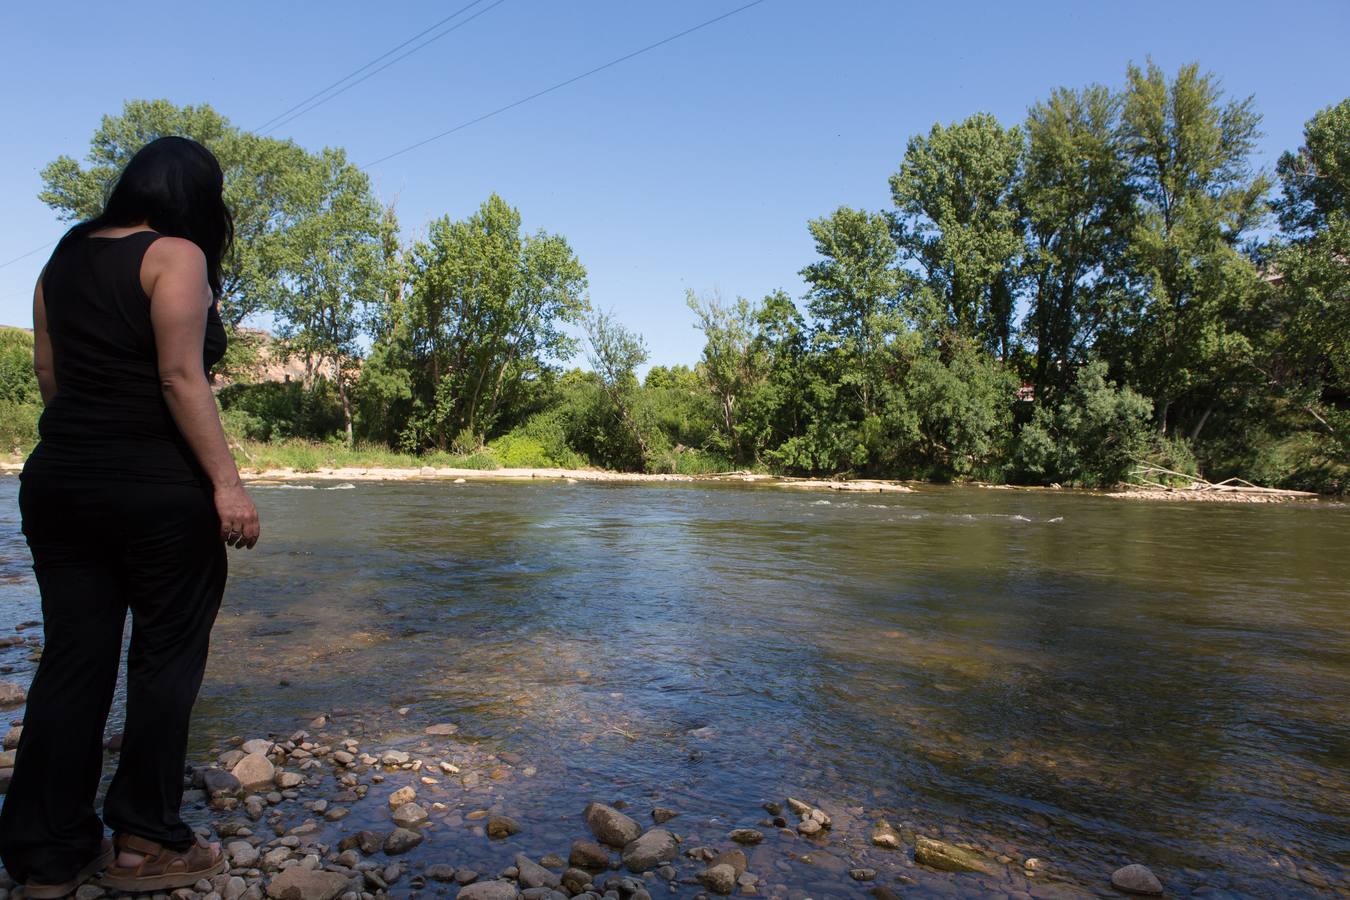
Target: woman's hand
<point x="238" y="518"/>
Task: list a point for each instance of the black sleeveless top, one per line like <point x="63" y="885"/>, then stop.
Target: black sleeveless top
<point x="109" y="420"/>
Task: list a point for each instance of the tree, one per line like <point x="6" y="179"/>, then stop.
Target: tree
<point x="262" y="176"/>
<point x="331" y="264"/>
<point x="487" y="308"/>
<point x="1090" y="437"/>
<point x="957" y="404"/>
<point x="615" y="354"/>
<point x="955" y="219"/>
<point x="854" y="294"/>
<point x="728" y="363"/>
<point x="1197" y="200"/>
<point x="1076" y="200"/>
<point x="1313" y="264"/>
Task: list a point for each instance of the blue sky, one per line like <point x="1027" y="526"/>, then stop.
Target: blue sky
<point x="694" y="166"/>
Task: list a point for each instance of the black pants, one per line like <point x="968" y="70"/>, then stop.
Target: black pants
<point x="98" y="549"/>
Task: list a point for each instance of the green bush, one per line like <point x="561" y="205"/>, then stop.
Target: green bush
<point x="18" y="426"/>
<point x="18" y="383"/>
<point x="1091" y="437"/>
<point x="276" y="410"/>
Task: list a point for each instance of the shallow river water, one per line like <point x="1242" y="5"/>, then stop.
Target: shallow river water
<point x="1086" y="681"/>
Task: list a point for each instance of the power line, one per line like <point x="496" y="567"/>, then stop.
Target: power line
<point x="355" y="72"/>
<point x="286" y="116"/>
<point x="391" y="62"/>
<point x="22" y="256"/>
<point x="562" y="84"/>
<point x="499" y="110"/>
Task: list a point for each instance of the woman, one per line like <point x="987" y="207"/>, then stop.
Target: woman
<point x="128" y="501"/>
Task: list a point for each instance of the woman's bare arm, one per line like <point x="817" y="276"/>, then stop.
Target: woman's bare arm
<point x="174" y="275"/>
<point x="42" y="346"/>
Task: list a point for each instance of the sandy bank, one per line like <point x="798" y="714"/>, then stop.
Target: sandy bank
<point x="433" y="473"/>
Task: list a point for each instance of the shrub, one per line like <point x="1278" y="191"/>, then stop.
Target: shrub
<point x="1092" y="436"/>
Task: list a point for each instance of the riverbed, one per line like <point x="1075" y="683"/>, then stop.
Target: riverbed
<point x="1039" y="675"/>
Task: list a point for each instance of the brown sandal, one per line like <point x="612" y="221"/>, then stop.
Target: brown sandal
<point x="39" y="891"/>
<point x="162" y="869"/>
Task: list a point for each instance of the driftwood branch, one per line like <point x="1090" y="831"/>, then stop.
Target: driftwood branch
<point x="1149" y="476"/>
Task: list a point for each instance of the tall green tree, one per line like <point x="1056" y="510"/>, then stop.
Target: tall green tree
<point x="1077" y="204"/>
<point x="1198" y="200"/>
<point x="957" y="221"/>
<point x="263" y="180"/>
<point x="615" y="353"/>
<point x="854" y="295"/>
<point x="728" y="363"/>
<point x="1313" y="263"/>
<point x="331" y="263"/>
<point x="488" y="308"/>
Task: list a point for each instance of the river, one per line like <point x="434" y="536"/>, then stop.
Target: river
<point x="1086" y="681"/>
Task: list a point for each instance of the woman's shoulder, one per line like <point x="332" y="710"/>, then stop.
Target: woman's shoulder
<point x="167" y="249"/>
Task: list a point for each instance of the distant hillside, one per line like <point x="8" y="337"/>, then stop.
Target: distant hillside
<point x="270" y="364"/>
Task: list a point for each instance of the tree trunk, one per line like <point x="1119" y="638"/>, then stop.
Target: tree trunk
<point x="1204" y="417"/>
<point x="346" y="408"/>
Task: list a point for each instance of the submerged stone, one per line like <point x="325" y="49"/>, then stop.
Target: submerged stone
<point x="1136" y="879"/>
<point x="939" y="855"/>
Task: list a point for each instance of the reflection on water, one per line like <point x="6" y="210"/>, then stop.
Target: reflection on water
<point x="1073" y="678"/>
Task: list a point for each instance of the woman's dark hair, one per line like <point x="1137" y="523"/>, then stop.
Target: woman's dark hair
<point x="174" y="185"/>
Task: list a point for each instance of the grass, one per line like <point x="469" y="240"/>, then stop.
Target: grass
<point x="309" y="456"/>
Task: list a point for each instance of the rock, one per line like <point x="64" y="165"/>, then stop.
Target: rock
<point x="808" y="826"/>
<point x="409" y="814"/>
<point x="273" y="858"/>
<point x="575" y="880"/>
<point x="499" y="827"/>
<point x="12" y="694"/>
<point x="650" y="850"/>
<point x="797" y="806"/>
<point x="488" y="890"/>
<point x="395" y="758"/>
<point x="1136" y="879"/>
<point x="243" y="854"/>
<point x="441" y="730"/>
<point x="720" y="879"/>
<point x="401" y="840"/>
<point x="611" y="826"/>
<point x="862" y="874"/>
<point x="7" y="759"/>
<point x="12" y="737"/>
<point x="440" y="872"/>
<point x="588" y="855"/>
<point x="88" y="892"/>
<point x="254" y="771"/>
<point x="297" y="883"/>
<point x="662" y="815"/>
<point x="734" y="858"/>
<point x="288" y="780"/>
<point x="746" y="836"/>
<point x="218" y="782"/>
<point x="257" y="745"/>
<point x="886" y="836"/>
<point x="533" y="875"/>
<point x="234" y="888"/>
<point x="401" y="796"/>
<point x="938" y="855"/>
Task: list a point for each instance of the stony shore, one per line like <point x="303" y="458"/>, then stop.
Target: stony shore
<point x="315" y="815"/>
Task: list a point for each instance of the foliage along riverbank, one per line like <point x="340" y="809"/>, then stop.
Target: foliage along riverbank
<point x="1045" y="302"/>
